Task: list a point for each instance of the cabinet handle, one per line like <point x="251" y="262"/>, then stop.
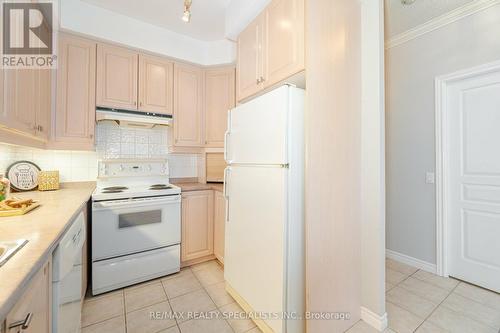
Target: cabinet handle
<point x="40" y="128"/>
<point x="23" y="323"/>
<point x="91" y="136"/>
<point x="135" y="103"/>
<point x="262" y="79"/>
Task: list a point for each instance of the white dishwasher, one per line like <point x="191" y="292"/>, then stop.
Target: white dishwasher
<point x="67" y="279"/>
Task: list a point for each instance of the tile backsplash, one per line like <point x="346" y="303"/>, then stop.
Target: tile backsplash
<point x="73" y="166"/>
<point x="112" y="141"/>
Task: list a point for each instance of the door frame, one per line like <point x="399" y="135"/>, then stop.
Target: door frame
<point x="442" y="156"/>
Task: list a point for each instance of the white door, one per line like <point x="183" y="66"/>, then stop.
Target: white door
<point x="473" y="212"/>
<point x="257" y="130"/>
<point x="254" y="262"/>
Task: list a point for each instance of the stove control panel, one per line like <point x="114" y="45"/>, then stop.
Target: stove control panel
<point x="127" y="168"/>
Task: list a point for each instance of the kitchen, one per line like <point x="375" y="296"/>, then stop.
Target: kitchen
<point x="129" y="150"/>
<point x="190" y="166"/>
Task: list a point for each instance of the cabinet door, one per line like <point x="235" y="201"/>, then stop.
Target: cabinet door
<point x="21" y="89"/>
<point x="34" y="302"/>
<point x="116" y="77"/>
<point x="188" y="106"/>
<point x="197" y="225"/>
<point x="219" y="225"/>
<point x="250" y="61"/>
<point x="219" y="92"/>
<point x="43" y="108"/>
<point x="283" y="40"/>
<point x="156" y="78"/>
<point x="75" y="109"/>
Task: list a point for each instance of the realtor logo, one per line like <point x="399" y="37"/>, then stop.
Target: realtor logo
<point x="27" y="35"/>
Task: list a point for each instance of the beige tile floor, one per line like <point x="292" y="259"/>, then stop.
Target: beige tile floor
<point x="422" y="302"/>
<point x="199" y="288"/>
<point x="417" y="301"/>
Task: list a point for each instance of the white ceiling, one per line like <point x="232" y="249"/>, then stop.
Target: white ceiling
<point x="400" y="18"/>
<point x="207" y="19"/>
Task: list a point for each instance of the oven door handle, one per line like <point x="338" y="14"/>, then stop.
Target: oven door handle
<point x="136" y="203"/>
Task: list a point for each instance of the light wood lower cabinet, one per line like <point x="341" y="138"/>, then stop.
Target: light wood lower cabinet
<point x="75" y="107"/>
<point x="219" y="225"/>
<point x="34" y="308"/>
<point x="197" y="225"/>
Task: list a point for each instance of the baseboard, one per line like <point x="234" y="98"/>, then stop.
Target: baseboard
<point x="373" y="319"/>
<point x="417" y="263"/>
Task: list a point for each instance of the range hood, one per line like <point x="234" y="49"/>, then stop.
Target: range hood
<point x="136" y="119"/>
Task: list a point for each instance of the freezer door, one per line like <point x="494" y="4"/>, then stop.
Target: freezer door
<point x="257" y="130"/>
<point x="254" y="259"/>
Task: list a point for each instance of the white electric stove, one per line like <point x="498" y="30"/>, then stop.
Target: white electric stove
<point x="136" y="224"/>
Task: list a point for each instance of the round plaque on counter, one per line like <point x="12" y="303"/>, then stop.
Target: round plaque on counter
<point x="23" y="175"/>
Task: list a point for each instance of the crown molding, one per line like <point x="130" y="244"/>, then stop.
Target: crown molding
<point x="440" y="21"/>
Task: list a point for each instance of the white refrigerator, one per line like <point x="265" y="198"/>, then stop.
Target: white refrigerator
<point x="264" y="259"/>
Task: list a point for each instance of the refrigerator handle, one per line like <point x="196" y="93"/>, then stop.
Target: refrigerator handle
<point x="226" y="136"/>
<point x="226" y="177"/>
<point x="226" y="171"/>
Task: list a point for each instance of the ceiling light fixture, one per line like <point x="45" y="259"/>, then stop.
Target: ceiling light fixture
<point x="407" y="2"/>
<point x="186" y="17"/>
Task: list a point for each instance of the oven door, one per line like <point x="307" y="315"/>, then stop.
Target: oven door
<point x="123" y="227"/>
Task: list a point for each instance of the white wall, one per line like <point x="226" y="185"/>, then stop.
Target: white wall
<point x="84" y="18"/>
<point x="411" y="69"/>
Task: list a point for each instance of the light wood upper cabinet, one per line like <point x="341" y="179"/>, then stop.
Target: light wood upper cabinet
<point x="250" y="59"/>
<point x="284" y="40"/>
<point x="75" y="107"/>
<point x="44" y="107"/>
<point x="197" y="225"/>
<point x="156" y="76"/>
<point x="117" y="77"/>
<point x="271" y="48"/>
<point x="219" y="225"/>
<point x="188" y="106"/>
<point x="219" y="98"/>
<point x="35" y="303"/>
<point x="27" y="101"/>
<point x="20" y="107"/>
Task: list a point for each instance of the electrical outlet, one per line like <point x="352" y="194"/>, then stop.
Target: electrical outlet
<point x="430" y="178"/>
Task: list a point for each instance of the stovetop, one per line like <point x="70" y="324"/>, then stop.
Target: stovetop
<point x="126" y="179"/>
<point x="134" y="191"/>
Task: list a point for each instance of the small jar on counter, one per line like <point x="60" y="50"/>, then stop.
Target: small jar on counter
<point x="4" y="188"/>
